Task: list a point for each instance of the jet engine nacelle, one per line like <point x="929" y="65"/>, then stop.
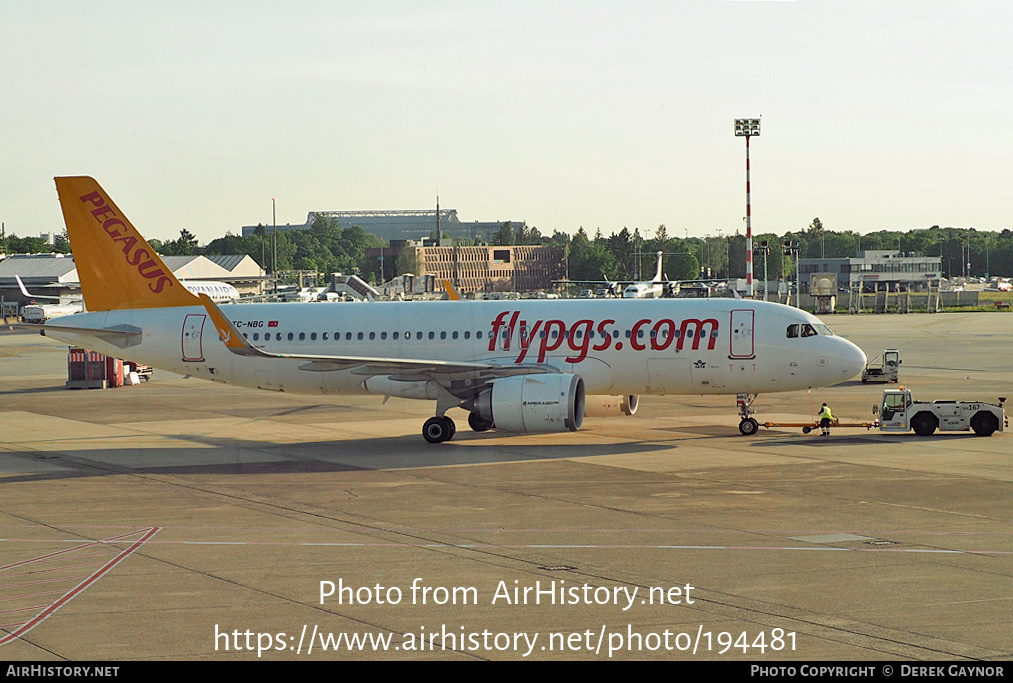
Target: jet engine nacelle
<point x="611" y="406"/>
<point x="533" y="403"/>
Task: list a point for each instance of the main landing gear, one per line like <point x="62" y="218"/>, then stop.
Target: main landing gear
<point x="747" y="425"/>
<point x="441" y="428"/>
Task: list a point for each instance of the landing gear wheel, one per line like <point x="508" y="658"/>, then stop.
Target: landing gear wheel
<point x="478" y="423"/>
<point x="438" y="429"/>
<point x="748" y="426"/>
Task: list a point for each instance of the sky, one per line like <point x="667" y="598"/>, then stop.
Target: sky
<point x="875" y="115"/>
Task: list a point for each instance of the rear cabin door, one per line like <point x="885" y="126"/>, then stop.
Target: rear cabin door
<point x="193" y="328"/>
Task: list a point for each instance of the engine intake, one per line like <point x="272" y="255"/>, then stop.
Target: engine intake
<point x="533" y="403"/>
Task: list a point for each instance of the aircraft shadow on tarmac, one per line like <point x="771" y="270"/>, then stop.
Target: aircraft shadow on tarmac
<point x="32" y="390"/>
<point x="216" y="456"/>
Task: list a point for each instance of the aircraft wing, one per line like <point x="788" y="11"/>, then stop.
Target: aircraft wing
<point x="596" y="283"/>
<point x="399" y="368"/>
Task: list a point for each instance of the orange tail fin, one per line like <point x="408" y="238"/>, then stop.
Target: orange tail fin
<point x="117" y="267"/>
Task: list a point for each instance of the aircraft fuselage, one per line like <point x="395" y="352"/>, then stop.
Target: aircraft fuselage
<point x="659" y="346"/>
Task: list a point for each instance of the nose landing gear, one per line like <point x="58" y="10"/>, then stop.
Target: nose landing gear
<point x="747" y="425"/>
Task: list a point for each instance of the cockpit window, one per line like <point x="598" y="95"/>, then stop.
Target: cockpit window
<point x="807" y="330"/>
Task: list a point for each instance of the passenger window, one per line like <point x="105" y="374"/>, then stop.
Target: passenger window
<point x="467" y="334"/>
<point x="372" y="336"/>
<point x="302" y="336"/>
<point x="443" y="335"/>
<point x="291" y="336"/>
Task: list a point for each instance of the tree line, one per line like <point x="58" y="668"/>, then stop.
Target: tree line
<point x="328" y="247"/>
<point x="626" y="255"/>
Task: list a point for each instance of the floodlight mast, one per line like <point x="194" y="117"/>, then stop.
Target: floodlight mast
<point x="748" y="128"/>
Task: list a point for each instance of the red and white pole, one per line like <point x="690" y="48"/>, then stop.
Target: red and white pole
<point x="749" y="230"/>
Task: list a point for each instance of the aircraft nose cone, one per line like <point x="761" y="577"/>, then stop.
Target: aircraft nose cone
<point x="852" y="360"/>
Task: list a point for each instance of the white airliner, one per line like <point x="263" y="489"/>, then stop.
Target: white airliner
<point x="220" y="292"/>
<point x="519" y="366"/>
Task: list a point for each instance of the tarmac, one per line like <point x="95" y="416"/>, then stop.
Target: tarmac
<point x="186" y="520"/>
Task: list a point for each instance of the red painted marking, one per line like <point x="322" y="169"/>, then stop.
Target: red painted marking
<point x="79" y="588"/>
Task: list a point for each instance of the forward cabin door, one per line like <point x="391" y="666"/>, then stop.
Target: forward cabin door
<point x="742" y="334"/>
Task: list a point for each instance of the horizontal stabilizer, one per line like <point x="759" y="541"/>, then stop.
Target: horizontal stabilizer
<point x="120" y="336"/>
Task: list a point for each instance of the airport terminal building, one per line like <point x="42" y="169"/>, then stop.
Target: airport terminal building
<point x="876" y="269"/>
<point x="397" y="225"/>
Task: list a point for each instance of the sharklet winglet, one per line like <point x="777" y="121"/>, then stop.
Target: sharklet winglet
<point x="232" y="338"/>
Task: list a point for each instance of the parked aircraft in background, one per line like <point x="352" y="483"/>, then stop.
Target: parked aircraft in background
<point x="655" y="288"/>
<point x="219" y="292"/>
<point x="518" y="366"/>
<point x="39" y="313"/>
<point x="651" y="289"/>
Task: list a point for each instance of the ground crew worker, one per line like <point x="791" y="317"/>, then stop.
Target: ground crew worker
<point x="825" y="419"/>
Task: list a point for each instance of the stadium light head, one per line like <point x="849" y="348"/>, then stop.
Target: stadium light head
<point x="747" y="127"/>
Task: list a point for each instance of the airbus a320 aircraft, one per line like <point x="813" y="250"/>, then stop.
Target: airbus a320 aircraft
<point x="517" y="366"/>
